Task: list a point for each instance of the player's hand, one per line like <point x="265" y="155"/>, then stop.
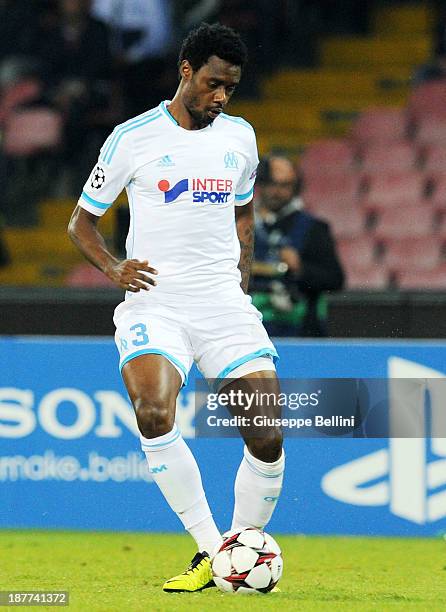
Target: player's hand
<point x="130" y="275"/>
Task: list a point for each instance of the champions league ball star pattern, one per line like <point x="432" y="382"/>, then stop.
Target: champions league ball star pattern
<point x="98" y="177"/>
<point x="248" y="561"/>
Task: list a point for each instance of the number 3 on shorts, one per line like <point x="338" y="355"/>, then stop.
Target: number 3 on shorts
<point x="141" y="336"/>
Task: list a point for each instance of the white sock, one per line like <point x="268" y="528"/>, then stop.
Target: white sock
<point x="257" y="489"/>
<point x="175" y="471"/>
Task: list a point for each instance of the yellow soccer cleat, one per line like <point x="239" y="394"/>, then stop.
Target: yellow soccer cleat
<point x="197" y="577"/>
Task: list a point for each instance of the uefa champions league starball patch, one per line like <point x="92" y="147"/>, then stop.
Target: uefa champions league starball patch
<point x="97" y="177"/>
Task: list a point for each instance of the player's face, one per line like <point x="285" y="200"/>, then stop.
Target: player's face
<point x="277" y="192"/>
<point x="207" y="90"/>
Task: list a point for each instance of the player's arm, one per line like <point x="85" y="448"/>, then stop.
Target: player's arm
<point x="244" y="209"/>
<point x="114" y="170"/>
<point x="127" y="274"/>
<point x="244" y="220"/>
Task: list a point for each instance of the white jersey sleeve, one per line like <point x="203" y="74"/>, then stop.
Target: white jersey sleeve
<point x="110" y="175"/>
<point x="245" y="187"/>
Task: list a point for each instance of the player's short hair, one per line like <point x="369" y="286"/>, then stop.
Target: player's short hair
<point x="216" y="39"/>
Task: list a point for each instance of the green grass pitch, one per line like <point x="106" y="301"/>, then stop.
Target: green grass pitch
<point x="124" y="572"/>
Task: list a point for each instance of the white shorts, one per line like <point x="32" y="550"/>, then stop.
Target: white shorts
<point x="218" y="337"/>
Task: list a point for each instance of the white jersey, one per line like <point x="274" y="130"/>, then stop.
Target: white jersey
<point x="182" y="186"/>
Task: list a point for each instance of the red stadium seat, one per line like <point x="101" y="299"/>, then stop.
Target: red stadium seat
<point x="438" y="200"/>
<point x="431" y="130"/>
<point x="380" y="125"/>
<point x="434" y="280"/>
<point x="327" y="157"/>
<point x="389" y="157"/>
<point x="321" y="191"/>
<point x="345" y="222"/>
<point x="86" y="275"/>
<point x="428" y="99"/>
<point x="367" y="277"/>
<point x="330" y="206"/>
<point x="335" y="208"/>
<point x="17" y="94"/>
<point x="440" y="229"/>
<point x="32" y="131"/>
<point x="404" y="222"/>
<point x="357" y="252"/>
<point x="389" y="190"/>
<point x="413" y="254"/>
<point x="435" y="159"/>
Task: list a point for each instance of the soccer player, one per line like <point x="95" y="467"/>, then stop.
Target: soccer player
<point x="189" y="170"/>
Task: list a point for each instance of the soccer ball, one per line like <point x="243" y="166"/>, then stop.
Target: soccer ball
<point x="248" y="561"/>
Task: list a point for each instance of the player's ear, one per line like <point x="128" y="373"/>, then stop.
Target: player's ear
<point x="186" y="70"/>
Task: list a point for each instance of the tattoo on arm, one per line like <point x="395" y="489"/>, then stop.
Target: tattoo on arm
<point x="246" y="255"/>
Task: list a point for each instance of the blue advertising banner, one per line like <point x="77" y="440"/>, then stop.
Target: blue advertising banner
<point x="70" y="455"/>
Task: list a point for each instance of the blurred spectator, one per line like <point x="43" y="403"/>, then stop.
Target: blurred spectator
<point x="141" y="42"/>
<point x="75" y="54"/>
<point x="18" y="27"/>
<point x="295" y="256"/>
<point x="341" y="16"/>
<point x="190" y="13"/>
<point x="256" y="20"/>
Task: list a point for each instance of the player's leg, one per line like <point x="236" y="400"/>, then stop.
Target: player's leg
<point x="260" y="476"/>
<point x="231" y="343"/>
<point x="153" y="384"/>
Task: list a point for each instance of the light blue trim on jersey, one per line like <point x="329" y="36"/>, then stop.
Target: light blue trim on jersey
<point x="149" y="351"/>
<point x="90" y="200"/>
<point x="238" y="120"/>
<point x="131" y="122"/>
<point x="168" y="443"/>
<point x="132" y="215"/>
<point x="243" y="196"/>
<point x="238" y="362"/>
<point x="168" y="115"/>
<point x="129" y="129"/>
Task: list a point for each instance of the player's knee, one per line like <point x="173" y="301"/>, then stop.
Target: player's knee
<point x="154" y="417"/>
<point x="268" y="448"/>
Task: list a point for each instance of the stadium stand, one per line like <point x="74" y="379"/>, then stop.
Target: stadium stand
<point x="345" y="222"/>
<point x="372" y="153"/>
<point x="380" y="125"/>
<point x="430" y="279"/>
<point x="320" y="192"/>
<point x="29" y="132"/>
<point x="408" y="221"/>
<point x="439" y="192"/>
<point x="431" y="130"/>
<point x="389" y="190"/>
<point x="367" y="277"/>
<point x="359" y="252"/>
<point x="434" y="159"/>
<point x="427" y="100"/>
<point x="334" y="156"/>
<point x="390" y="156"/>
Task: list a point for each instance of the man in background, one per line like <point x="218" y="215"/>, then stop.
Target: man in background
<point x="141" y="41"/>
<point x="295" y="256"/>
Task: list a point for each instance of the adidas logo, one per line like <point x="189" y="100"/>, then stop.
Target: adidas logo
<point x="166" y="162"/>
